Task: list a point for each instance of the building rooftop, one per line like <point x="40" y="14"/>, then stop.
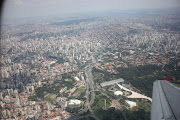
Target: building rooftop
<point x="112" y="82"/>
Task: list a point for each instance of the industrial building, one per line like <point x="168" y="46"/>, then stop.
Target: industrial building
<point x="112" y="82"/>
<point x="74" y="103"/>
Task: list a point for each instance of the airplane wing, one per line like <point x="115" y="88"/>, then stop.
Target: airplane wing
<point x="165" y="101"/>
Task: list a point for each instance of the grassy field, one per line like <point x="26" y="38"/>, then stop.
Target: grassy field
<point x="79" y="90"/>
<point x="99" y="102"/>
<point x="69" y="80"/>
<point x="50" y="98"/>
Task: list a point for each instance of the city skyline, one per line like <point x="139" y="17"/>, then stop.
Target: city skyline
<point x="29" y="8"/>
<point x="99" y="66"/>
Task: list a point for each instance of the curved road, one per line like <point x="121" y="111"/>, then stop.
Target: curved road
<point x="134" y="94"/>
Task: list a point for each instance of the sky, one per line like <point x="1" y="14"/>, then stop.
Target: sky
<point x="28" y="8"/>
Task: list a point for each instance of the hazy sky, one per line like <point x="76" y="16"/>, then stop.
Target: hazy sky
<point x="25" y="8"/>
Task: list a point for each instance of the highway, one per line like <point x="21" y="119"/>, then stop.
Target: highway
<point x="90" y="89"/>
<point x="90" y="84"/>
<point x="90" y="95"/>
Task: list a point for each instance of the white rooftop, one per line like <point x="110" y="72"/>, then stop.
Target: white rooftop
<point x="118" y="93"/>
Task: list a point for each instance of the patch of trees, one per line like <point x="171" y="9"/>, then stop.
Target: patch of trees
<point x="73" y="110"/>
<point x="87" y="118"/>
<point x="139" y="112"/>
<point x="107" y="76"/>
<point x="33" y="98"/>
<point x="110" y="114"/>
<point x="99" y="103"/>
<point x="65" y="82"/>
<point x="42" y="91"/>
<point x="173" y="70"/>
<point x="138" y="115"/>
<point x="142" y="77"/>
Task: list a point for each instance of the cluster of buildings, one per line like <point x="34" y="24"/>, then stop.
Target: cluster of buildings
<point x="146" y="58"/>
<point x="37" y="54"/>
<point x="16" y="105"/>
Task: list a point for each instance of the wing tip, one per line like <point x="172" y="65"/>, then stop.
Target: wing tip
<point x="168" y="79"/>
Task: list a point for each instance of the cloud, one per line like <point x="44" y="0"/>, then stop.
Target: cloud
<point x="14" y="2"/>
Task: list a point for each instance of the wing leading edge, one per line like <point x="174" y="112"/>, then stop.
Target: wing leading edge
<point x="165" y="101"/>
